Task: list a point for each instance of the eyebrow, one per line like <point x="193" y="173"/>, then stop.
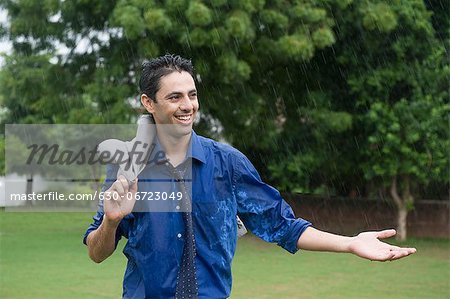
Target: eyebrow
<point x="179" y="93"/>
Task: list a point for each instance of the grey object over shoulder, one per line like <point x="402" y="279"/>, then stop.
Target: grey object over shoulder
<point x="132" y="168"/>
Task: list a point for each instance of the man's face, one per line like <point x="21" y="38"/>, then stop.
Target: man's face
<point x="176" y="103"/>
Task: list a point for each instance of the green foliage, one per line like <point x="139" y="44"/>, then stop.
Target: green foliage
<point x="321" y="95"/>
<point x="389" y="111"/>
<point x="16" y="151"/>
<point x="295" y="174"/>
<point x="378" y="16"/>
<point x="407" y="139"/>
<point x="233" y="69"/>
<point x="129" y="18"/>
<point x="239" y="26"/>
<point x="21" y="84"/>
<point x="157" y="20"/>
<point x="251" y="6"/>
<point x="323" y="37"/>
<point x="218" y="3"/>
<point x="198" y="14"/>
<point x="309" y="14"/>
<point x="297" y="47"/>
<point x="176" y="5"/>
<point x="275" y="19"/>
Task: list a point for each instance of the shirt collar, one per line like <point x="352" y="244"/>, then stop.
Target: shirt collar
<point x="195" y="151"/>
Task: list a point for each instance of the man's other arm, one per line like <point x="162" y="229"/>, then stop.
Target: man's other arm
<point x="365" y="245"/>
<point x="102" y="242"/>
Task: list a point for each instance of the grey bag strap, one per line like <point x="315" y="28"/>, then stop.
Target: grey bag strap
<point x="131" y="166"/>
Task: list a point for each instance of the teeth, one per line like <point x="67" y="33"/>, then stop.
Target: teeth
<point x="184" y="117"/>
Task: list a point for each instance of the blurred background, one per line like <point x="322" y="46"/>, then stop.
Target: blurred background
<point x="341" y="105"/>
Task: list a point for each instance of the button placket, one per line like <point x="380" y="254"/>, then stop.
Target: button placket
<point x="187" y="286"/>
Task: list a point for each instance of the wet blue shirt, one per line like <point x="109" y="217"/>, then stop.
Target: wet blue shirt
<point x="224" y="184"/>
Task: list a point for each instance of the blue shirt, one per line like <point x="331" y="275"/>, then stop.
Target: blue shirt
<point x="224" y="184"/>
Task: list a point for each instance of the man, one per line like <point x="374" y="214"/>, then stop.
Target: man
<point x="189" y="254"/>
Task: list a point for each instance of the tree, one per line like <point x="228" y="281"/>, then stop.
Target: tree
<point x="302" y="87"/>
<point x="408" y="141"/>
<point x="393" y="96"/>
<point x="404" y="99"/>
<point x="95" y="80"/>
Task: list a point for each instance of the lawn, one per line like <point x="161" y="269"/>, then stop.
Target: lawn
<point x="42" y="257"/>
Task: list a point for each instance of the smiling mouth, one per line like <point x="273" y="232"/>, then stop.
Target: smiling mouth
<point x="184" y="118"/>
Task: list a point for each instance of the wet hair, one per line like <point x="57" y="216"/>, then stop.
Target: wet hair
<point x="154" y="69"/>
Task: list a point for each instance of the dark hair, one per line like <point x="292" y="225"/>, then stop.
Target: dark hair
<point x="154" y="69"/>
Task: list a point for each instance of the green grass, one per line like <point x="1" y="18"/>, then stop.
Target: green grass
<point x="42" y="257"/>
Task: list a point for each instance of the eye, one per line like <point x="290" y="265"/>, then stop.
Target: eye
<point x="174" y="97"/>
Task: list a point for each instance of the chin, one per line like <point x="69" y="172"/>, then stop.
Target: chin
<point x="178" y="130"/>
<point x="183" y="131"/>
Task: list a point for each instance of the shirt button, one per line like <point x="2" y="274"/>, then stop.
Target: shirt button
<point x="177" y="207"/>
<point x="179" y="235"/>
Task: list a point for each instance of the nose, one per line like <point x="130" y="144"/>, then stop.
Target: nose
<point x="186" y="104"/>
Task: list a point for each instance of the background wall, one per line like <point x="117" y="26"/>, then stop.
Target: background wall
<point x="350" y="216"/>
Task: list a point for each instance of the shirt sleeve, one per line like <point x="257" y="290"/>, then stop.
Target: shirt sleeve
<point x="122" y="229"/>
<point x="263" y="210"/>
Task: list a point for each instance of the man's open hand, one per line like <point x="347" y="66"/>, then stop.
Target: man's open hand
<point x="368" y="245"/>
<point x="119" y="199"/>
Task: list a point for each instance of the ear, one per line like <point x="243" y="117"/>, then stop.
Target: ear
<point x="148" y="103"/>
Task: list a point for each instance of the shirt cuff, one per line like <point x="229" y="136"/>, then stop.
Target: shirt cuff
<point x="297" y="228"/>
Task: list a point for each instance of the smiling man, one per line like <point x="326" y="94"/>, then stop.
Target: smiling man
<point x="188" y="253"/>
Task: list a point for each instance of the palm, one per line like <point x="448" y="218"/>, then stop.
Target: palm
<point x="368" y="245"/>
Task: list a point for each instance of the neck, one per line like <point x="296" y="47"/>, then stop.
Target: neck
<point x="175" y="147"/>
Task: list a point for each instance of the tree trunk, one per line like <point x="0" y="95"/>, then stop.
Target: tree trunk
<point x="404" y="204"/>
<point x="402" y="214"/>
<point x="29" y="189"/>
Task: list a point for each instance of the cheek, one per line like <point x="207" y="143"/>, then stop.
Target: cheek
<point x="196" y="105"/>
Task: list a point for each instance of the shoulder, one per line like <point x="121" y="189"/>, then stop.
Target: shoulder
<point x="216" y="148"/>
<point x="225" y="157"/>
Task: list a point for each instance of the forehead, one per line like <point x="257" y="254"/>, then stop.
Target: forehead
<point x="176" y="82"/>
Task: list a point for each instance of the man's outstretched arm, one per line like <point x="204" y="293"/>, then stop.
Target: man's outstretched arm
<point x="365" y="245"/>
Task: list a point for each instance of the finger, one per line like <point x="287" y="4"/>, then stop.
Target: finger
<point x="108" y="195"/>
<point x="134" y="187"/>
<point x="124" y="182"/>
<point x="386" y="233"/>
<point x="400" y="254"/>
<point x="385" y="257"/>
<point x="117" y="187"/>
<point x="393" y="247"/>
<point x="409" y="249"/>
